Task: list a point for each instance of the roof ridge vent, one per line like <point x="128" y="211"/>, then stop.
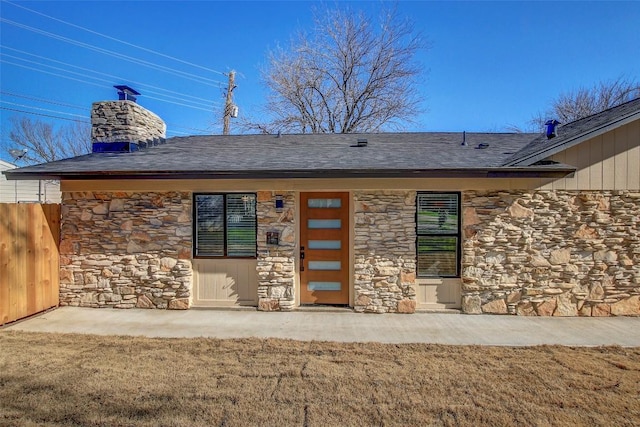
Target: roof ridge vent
<point x="362" y="142"/>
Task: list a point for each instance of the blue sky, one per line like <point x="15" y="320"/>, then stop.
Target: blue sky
<point x="491" y="64"/>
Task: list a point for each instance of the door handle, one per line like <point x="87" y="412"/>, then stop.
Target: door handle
<point x="301" y="258"/>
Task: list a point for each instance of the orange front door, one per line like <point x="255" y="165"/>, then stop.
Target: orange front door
<point x="324" y="248"/>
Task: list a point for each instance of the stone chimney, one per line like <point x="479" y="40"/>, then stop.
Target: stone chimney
<point x="124" y="126"/>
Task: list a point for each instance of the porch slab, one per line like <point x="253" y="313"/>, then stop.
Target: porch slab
<point x="341" y="326"/>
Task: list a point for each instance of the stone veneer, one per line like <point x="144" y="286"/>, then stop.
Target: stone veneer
<point x="385" y="251"/>
<point x="276" y="264"/>
<point x="114" y="121"/>
<point x="126" y="249"/>
<point x="551" y="253"/>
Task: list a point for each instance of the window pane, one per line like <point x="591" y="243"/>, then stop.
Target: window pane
<point x="209" y="225"/>
<point x="324" y="286"/>
<point x="437" y="256"/>
<point x="324" y="244"/>
<point x="437" y="213"/>
<point x="324" y="223"/>
<point x="324" y="203"/>
<point x="324" y="265"/>
<point x="241" y="225"/>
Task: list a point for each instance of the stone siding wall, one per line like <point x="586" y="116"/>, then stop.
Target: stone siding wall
<point x="123" y="250"/>
<point x="125" y="121"/>
<point x="552" y="253"/>
<point x="385" y="251"/>
<point x="276" y="264"/>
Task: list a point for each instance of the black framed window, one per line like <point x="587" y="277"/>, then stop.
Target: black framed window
<point x="225" y="225"/>
<point x="438" y="234"/>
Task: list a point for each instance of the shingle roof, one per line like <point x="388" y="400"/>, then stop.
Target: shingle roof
<point x="576" y="132"/>
<point x="307" y="155"/>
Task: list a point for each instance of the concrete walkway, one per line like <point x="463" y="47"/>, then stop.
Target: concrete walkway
<point x="344" y="326"/>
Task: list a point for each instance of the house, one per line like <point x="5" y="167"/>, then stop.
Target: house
<point x="27" y="191"/>
<point x="388" y="222"/>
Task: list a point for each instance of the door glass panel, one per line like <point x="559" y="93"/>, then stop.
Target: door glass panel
<point x="324" y="244"/>
<point x="324" y="203"/>
<point x="324" y="265"/>
<point x="324" y="286"/>
<point x="324" y="223"/>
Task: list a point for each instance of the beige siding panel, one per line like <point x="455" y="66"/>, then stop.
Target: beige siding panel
<point x="584" y="158"/>
<point x="621" y="158"/>
<point x="225" y="282"/>
<point x="571" y="158"/>
<point x="595" y="162"/>
<point x="450" y="184"/>
<point x="633" y="135"/>
<point x="607" y="162"/>
<point x="438" y="294"/>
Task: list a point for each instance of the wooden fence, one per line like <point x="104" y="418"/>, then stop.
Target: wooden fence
<point x="29" y="259"/>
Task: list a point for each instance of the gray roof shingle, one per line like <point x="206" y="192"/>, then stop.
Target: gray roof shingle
<point x="312" y="155"/>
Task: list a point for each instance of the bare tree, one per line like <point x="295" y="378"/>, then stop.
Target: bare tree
<point x="46" y="143"/>
<point x="585" y="101"/>
<point x="351" y="73"/>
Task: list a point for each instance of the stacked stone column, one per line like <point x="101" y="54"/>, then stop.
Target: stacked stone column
<point x="385" y="251"/>
<point x="276" y="263"/>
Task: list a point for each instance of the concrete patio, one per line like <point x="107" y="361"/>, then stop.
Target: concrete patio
<point x="341" y="325"/>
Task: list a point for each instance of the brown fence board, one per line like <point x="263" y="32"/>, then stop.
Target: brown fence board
<point x="4" y="263"/>
<point x="29" y="259"/>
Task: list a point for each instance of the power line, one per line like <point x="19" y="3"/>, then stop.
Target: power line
<point x="95" y="78"/>
<point x="53" y="102"/>
<point x="47" y="101"/>
<point x="41" y="109"/>
<point x="182" y="95"/>
<point x="96" y="84"/>
<point x="86" y="122"/>
<point x="188" y="128"/>
<point x="115" y="39"/>
<point x="44" y="115"/>
<point x="183" y="74"/>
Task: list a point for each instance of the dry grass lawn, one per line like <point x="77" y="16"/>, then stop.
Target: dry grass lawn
<point x="60" y="380"/>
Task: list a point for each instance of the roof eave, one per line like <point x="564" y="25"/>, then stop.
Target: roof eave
<point x="557" y="171"/>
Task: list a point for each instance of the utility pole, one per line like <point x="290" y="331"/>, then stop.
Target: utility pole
<point x="228" y="105"/>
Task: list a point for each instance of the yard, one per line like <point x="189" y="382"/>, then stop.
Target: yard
<point x="64" y="379"/>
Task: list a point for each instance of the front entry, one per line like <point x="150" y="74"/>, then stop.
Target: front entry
<point x="324" y="248"/>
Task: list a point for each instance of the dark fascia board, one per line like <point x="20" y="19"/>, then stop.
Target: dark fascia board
<point x="546" y="171"/>
<point x="551" y="149"/>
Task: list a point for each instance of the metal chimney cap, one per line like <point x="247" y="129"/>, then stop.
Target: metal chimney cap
<point x="125" y="93"/>
<point x="126" y="89"/>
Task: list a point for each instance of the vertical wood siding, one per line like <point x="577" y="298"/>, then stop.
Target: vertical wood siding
<point x="29" y="259"/>
<point x="225" y="282"/>
<point x="438" y="293"/>
<point x="607" y="162"/>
